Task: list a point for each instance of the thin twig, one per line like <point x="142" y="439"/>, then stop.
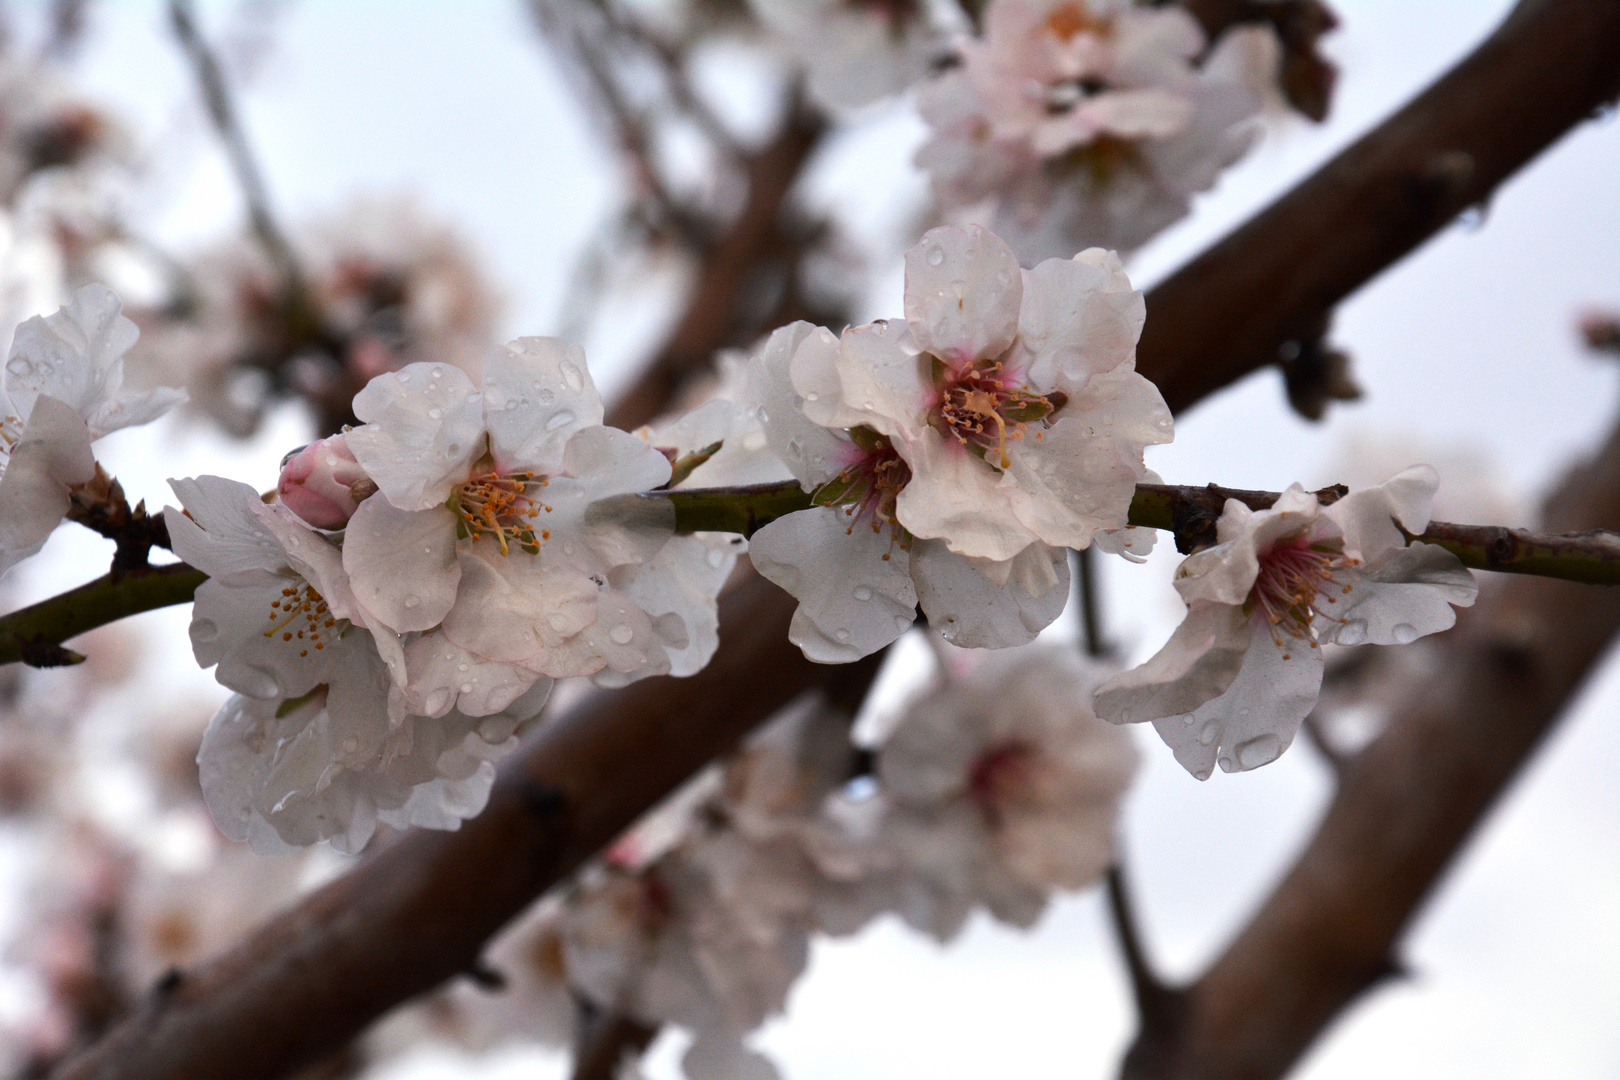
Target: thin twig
<point x="217" y="98"/>
<point x="1092" y="640"/>
<point x="1155" y="1000"/>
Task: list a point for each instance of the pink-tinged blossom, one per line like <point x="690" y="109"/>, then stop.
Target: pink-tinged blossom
<point x="993" y="791"/>
<point x="1239" y="675"/>
<point x="1091" y="122"/>
<point x="63" y="389"/>
<point x="323" y="484"/>
<point x="956" y="454"/>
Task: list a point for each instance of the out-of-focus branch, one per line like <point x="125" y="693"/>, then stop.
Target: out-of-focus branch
<point x="306" y="983"/>
<point x="222" y="112"/>
<point x="606" y="1039"/>
<point x="1272" y="282"/>
<point x="715" y="314"/>
<point x="1405" y="806"/>
<point x="1157" y="1005"/>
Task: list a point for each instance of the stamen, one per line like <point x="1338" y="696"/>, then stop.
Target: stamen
<point x="1291" y="577"/>
<point x="301" y="601"/>
<point x="979" y="397"/>
<point x="502" y="507"/>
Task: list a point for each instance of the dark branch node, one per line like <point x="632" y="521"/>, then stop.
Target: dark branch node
<point x="489" y="979"/>
<point x="40" y="653"/>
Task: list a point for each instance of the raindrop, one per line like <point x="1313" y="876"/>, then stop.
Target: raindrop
<point x="1405" y="633"/>
<point x="1211" y="732"/>
<point x="558" y="620"/>
<point x="621" y="634"/>
<point x="572" y="376"/>
<point x="1188" y="719"/>
<point x="1201" y="774"/>
<point x="902" y="623"/>
<point x="841" y="634"/>
<point x="204" y="630"/>
<point x="435" y="413"/>
<point x="453" y="448"/>
<point x="812" y="396"/>
<point x="466" y="688"/>
<point x="1125" y="715"/>
<point x="351" y="744"/>
<point x="1259" y="750"/>
<point x="1472" y="219"/>
<point x="1352" y="632"/>
<point x="558" y="419"/>
<point x="437" y="373"/>
<point x="716" y="557"/>
<point x="461" y="667"/>
<point x="862" y="593"/>
<point x="936" y="256"/>
<point x="413" y="601"/>
<point x="438" y="701"/>
<point x="1225" y="763"/>
<point x="544" y="397"/>
<point x="258" y="683"/>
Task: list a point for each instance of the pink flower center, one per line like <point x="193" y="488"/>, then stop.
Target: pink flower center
<point x="1292" y="575"/>
<point x="869" y="489"/>
<point x="999" y="772"/>
<point x="982" y="409"/>
<point x="502" y="506"/>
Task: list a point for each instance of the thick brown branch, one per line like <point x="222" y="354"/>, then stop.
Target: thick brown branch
<point x="1272" y="282"/>
<point x="715" y="316"/>
<point x="1404" y="808"/>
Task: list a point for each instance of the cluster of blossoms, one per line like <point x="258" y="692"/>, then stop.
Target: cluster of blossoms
<point x="404" y="603"/>
<point x="384" y="286"/>
<point x="954" y="457"/>
<point x="991" y="791"/>
<point x="855" y="52"/>
<point x="1092" y="122"/>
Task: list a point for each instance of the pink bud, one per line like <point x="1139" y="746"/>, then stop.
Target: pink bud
<point x="323" y="483"/>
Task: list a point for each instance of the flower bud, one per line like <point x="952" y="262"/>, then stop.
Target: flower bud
<point x="323" y="483"/>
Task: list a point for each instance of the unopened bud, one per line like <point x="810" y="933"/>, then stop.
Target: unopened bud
<point x="323" y="483"/>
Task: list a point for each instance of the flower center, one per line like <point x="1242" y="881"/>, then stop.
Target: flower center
<point x="10" y="436"/>
<point x="300" y="614"/>
<point x="504" y="507"/>
<point x="868" y="489"/>
<point x="999" y="772"/>
<point x="981" y="409"/>
<point x="1290" y="580"/>
<point x="1069" y="20"/>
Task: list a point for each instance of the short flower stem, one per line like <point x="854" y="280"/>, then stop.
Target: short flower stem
<point x="35" y="634"/>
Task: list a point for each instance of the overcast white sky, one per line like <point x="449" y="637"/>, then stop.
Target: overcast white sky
<point x="1468" y="344"/>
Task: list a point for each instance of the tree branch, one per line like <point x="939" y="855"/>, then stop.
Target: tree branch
<point x="1404" y="807"/>
<point x="34" y="635"/>
<point x="1273" y="281"/>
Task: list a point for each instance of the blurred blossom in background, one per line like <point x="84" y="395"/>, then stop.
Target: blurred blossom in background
<point x="444" y="190"/>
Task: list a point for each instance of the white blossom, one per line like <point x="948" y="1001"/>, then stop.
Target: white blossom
<point x="954" y="456"/>
<point x="283" y="774"/>
<point x="1091" y="122"/>
<point x="63" y="390"/>
<point x="1239" y="675"/>
<point x="492" y="532"/>
<point x="992" y="791"/>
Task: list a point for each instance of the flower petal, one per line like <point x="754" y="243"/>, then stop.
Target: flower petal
<point x="1256" y="719"/>
<point x="1369" y="516"/>
<point x="1080" y="317"/>
<point x="882" y="382"/>
<point x="402" y="563"/>
<point x="1198" y="664"/>
<point x="954" y="496"/>
<point x="813" y="452"/>
<point x="1406" y="594"/>
<point x="220" y="533"/>
<point x="963" y="291"/>
<point x="537" y="394"/>
<point x="424" y="425"/>
<point x="854" y="587"/>
<point x="51" y="455"/>
<point x="972" y="611"/>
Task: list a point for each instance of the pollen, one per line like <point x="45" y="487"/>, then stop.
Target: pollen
<point x="869" y="490"/>
<point x="300" y="614"/>
<point x="982" y="409"/>
<point x="503" y="507"/>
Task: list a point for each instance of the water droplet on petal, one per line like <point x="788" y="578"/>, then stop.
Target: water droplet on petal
<point x="560" y="418"/>
<point x="258" y="682"/>
<point x="841" y="634"/>
<point x="439" y="700"/>
<point x="435" y="413"/>
<point x="936" y="256"/>
<point x="1201" y="774"/>
<point x="1226" y="764"/>
<point x="572" y="376"/>
<point x="351" y="744"/>
<point x="812" y="396"/>
<point x="557" y="620"/>
<point x="902" y="623"/>
<point x="1352" y="632"/>
<point x="413" y="601"/>
<point x="204" y="630"/>
<point x="466" y="688"/>
<point x="544" y="397"/>
<point x="621" y="634"/>
<point x="1259" y="751"/>
<point x="1211" y="732"/>
<point x="862" y="593"/>
<point x="1405" y="633"/>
